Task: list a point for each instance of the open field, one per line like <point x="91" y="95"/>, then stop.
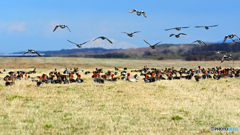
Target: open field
<point x="163" y="107"/>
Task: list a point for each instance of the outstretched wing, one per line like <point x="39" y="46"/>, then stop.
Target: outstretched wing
<point x="198" y="26"/>
<point x="108" y="40"/>
<point x="147" y="42"/>
<point x="237" y="37"/>
<point x="225" y="38"/>
<point x="194" y="42"/>
<point x="157" y="43"/>
<point x="182" y="34"/>
<point x="68" y="28"/>
<point x="26" y="52"/>
<point x="125" y="32"/>
<point x="38" y="54"/>
<point x="205" y="44"/>
<point x="55" y="28"/>
<point x="71" y="42"/>
<point x="223" y="58"/>
<point x="213" y="26"/>
<point x="168" y="29"/>
<point x="84" y="43"/>
<point x="185" y="27"/>
<point x="144" y="14"/>
<point x="96" y="38"/>
<point x="171" y="35"/>
<point x="136" y="32"/>
<point x="133" y="10"/>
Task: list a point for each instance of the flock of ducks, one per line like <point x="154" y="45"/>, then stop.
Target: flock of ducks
<point x="98" y="76"/>
<point x="231" y="36"/>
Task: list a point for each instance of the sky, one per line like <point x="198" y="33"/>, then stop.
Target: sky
<point x="29" y="24"/>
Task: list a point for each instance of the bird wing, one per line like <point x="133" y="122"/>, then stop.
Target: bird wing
<point x="157" y="43"/>
<point x="38" y="54"/>
<point x="55" y="28"/>
<point x="144" y="14"/>
<point x="25" y="52"/>
<point x="237" y="37"/>
<point x="223" y="58"/>
<point x="96" y="38"/>
<point x="133" y="10"/>
<point x="68" y="28"/>
<point x="194" y="42"/>
<point x="168" y="29"/>
<point x="185" y="27"/>
<point x="109" y="41"/>
<point x="125" y="32"/>
<point x="205" y="44"/>
<point x="84" y="43"/>
<point x="182" y="34"/>
<point x="213" y="26"/>
<point x="147" y="42"/>
<point x="136" y="32"/>
<point x="171" y="35"/>
<point x="199" y="26"/>
<point x="225" y="38"/>
<point x="71" y="42"/>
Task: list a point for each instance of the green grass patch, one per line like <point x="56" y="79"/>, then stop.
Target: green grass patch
<point x="47" y="126"/>
<point x="29" y="85"/>
<point x="1" y="87"/>
<point x="13" y="97"/>
<point x="110" y="87"/>
<point x="119" y="91"/>
<point x="5" y="116"/>
<point x="184" y="111"/>
<point x="101" y="107"/>
<point x="162" y="87"/>
<point x="28" y="121"/>
<point x="177" y="118"/>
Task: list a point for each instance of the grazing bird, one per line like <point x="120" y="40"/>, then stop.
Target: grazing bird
<point x="152" y="46"/>
<point x="103" y="38"/>
<point x="61" y="26"/>
<point x="227" y="57"/>
<point x="39" y="83"/>
<point x="78" y="45"/>
<point x="176" y="28"/>
<point x="231" y="37"/>
<point x="206" y="27"/>
<point x="138" y="12"/>
<point x="9" y="83"/>
<point x="131" y="34"/>
<point x="200" y="42"/>
<point x="178" y="35"/>
<point x="32" y="51"/>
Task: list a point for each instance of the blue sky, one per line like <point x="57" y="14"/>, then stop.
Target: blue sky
<point x="28" y="24"/>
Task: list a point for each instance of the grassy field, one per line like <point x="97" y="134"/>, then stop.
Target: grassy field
<point x="163" y="107"/>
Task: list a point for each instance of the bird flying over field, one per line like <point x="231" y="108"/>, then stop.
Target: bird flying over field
<point x="200" y="42"/>
<point x="227" y="57"/>
<point x="152" y="46"/>
<point x="206" y="27"/>
<point x="131" y="34"/>
<point x="78" y="45"/>
<point x="176" y="28"/>
<point x="61" y="26"/>
<point x="32" y="51"/>
<point x="178" y="35"/>
<point x="138" y="12"/>
<point x="231" y="37"/>
<point x="103" y="38"/>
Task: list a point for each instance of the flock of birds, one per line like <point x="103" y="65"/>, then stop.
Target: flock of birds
<point x="139" y="13"/>
<point x="98" y="76"/>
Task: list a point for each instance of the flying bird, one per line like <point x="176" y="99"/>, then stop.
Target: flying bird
<point x="138" y="12"/>
<point x="176" y="28"/>
<point x="32" y="51"/>
<point x="152" y="46"/>
<point x="78" y="45"/>
<point x="227" y="57"/>
<point x="206" y="27"/>
<point x="103" y="38"/>
<point x="200" y="42"/>
<point x="131" y="34"/>
<point x="178" y="35"/>
<point x="231" y="37"/>
<point x="61" y="26"/>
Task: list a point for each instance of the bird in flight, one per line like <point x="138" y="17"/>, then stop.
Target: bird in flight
<point x="227" y="57"/>
<point x="206" y="27"/>
<point x="103" y="38"/>
<point x="61" y="26"/>
<point x="32" y="51"/>
<point x="131" y="34"/>
<point x="78" y="45"/>
<point x="231" y="37"/>
<point x="152" y="46"/>
<point x="138" y="12"/>
<point x="178" y="35"/>
<point x="176" y="28"/>
<point x="200" y="42"/>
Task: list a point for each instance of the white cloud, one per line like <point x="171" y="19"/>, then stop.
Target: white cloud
<point x="105" y="44"/>
<point x="16" y="26"/>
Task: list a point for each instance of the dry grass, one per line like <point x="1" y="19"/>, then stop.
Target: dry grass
<point x="164" y="107"/>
